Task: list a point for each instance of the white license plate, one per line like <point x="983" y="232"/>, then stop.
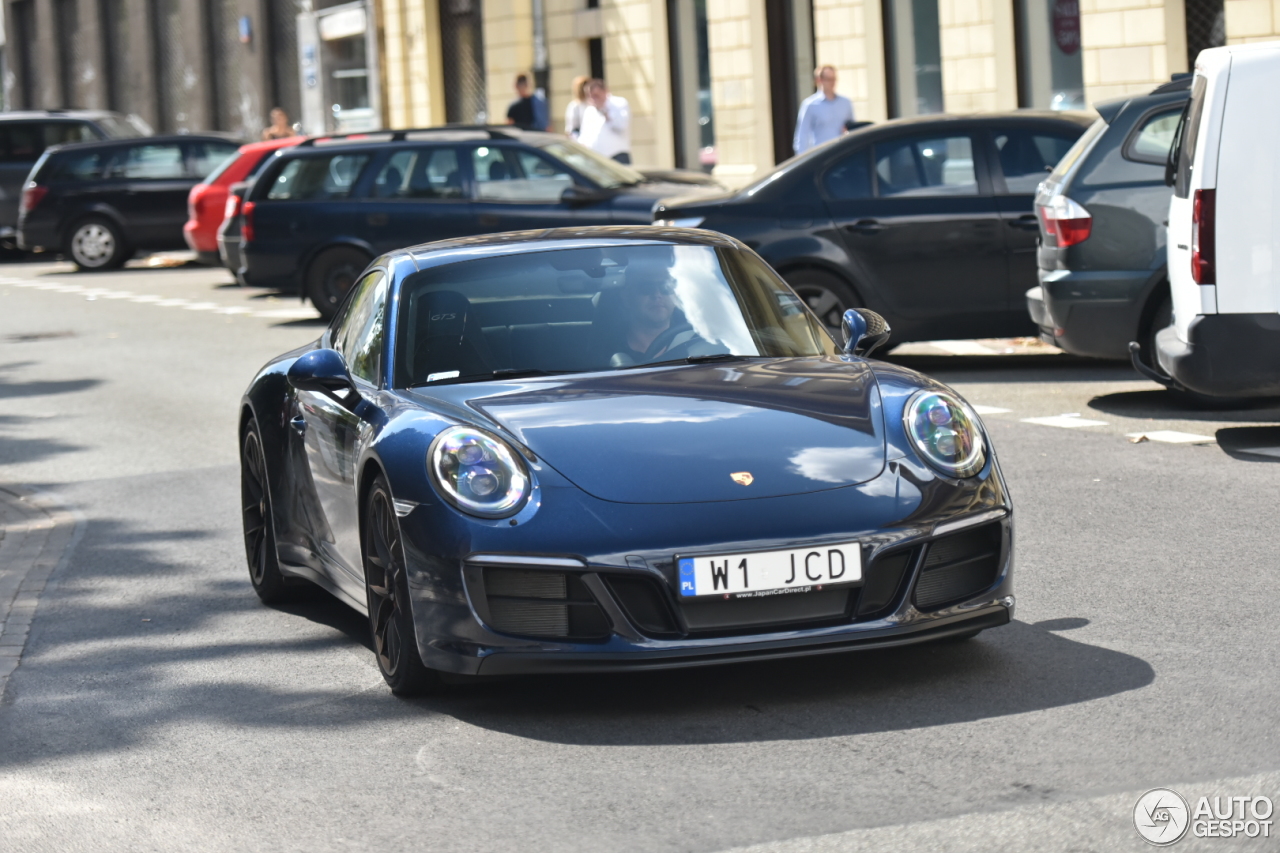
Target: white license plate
<point x="771" y="572"/>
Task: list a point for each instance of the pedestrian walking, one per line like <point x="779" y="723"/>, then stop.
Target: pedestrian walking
<point x="824" y="115"/>
<point x="525" y="112"/>
<point x="577" y="106"/>
<point x="280" y="127"/>
<point x="606" y="123"/>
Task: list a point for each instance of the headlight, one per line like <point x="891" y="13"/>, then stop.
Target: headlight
<point x="685" y="222"/>
<point x="478" y="472"/>
<point x="945" y="432"/>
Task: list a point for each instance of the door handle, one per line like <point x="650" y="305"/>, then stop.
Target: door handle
<point x="299" y="425"/>
<point x="865" y="226"/>
<point x="1026" y="222"/>
<point x="489" y="219"/>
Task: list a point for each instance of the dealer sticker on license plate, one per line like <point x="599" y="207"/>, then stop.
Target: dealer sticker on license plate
<point x="771" y="572"/>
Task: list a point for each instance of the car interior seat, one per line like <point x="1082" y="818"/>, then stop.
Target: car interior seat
<point x="389" y="186"/>
<point x="447" y="337"/>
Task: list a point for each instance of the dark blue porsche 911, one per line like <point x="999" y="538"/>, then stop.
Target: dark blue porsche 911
<point x="613" y="448"/>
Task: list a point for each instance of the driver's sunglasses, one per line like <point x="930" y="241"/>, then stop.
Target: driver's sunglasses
<point x="655" y="288"/>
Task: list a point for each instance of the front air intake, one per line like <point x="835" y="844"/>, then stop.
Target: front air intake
<point x="959" y="566"/>
<point x="541" y="603"/>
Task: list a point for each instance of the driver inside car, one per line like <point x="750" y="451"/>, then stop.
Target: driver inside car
<point x="655" y="328"/>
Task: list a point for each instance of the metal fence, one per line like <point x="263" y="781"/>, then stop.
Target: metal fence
<point x="462" y="55"/>
<point x="1206" y="27"/>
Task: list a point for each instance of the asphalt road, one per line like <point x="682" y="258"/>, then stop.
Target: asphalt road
<point x="159" y="706"/>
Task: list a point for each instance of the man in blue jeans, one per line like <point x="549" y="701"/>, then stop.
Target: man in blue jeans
<point x="824" y="115"/>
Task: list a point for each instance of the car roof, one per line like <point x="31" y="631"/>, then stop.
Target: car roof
<point x="443" y="133"/>
<point x="1084" y="118"/>
<point x="272" y="144"/>
<point x="147" y="140"/>
<point x="37" y="115"/>
<point x="444" y="252"/>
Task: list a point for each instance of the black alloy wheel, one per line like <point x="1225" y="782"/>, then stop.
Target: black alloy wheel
<point x="827" y="295"/>
<point x="395" y="642"/>
<point x="331" y="275"/>
<point x="259" y="534"/>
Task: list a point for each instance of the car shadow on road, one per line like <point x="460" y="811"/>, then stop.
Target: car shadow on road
<point x="1018" y="368"/>
<point x="1164" y="405"/>
<point x="1251" y="443"/>
<point x="1015" y="669"/>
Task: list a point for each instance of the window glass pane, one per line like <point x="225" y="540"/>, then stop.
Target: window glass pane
<point x="83" y="166"/>
<point x="26" y="143"/>
<point x="1151" y="145"/>
<point x="1027" y="157"/>
<point x="850" y="178"/>
<point x="360" y="336"/>
<point x="318" y="177"/>
<point x="605" y="172"/>
<point x="57" y="133"/>
<point x="1188" y="136"/>
<point x="207" y="156"/>
<point x="422" y="173"/>
<point x="1050" y="61"/>
<point x="941" y="166"/>
<point x="153" y="162"/>
<point x="528" y="177"/>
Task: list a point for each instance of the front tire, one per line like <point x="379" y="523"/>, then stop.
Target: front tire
<point x="331" y="275"/>
<point x="96" y="244"/>
<point x="259" y="532"/>
<point x="395" y="641"/>
<point x="827" y="295"/>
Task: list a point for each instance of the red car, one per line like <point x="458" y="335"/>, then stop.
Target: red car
<point x="208" y="199"/>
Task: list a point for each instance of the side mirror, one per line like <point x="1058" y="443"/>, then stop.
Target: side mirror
<point x="324" y="372"/>
<point x="575" y="195"/>
<point x="865" y="331"/>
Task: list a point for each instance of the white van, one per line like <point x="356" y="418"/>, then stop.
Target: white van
<point x="1224" y="228"/>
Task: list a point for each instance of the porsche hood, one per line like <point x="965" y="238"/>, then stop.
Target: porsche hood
<point x="686" y="434"/>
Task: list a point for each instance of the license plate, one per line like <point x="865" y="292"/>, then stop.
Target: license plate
<point x="770" y="572"/>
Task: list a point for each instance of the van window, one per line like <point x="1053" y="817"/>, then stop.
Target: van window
<point x="1188" y="132"/>
<point x="420" y="173"/>
<point x="1027" y="157"/>
<point x="333" y="176"/>
<point x="79" y="166"/>
<point x="23" y="143"/>
<point x="152" y="162"/>
<point x="61" y="132"/>
<point x="1150" y="142"/>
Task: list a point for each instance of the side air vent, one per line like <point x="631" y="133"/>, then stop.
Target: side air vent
<point x="540" y="603"/>
<point x="883" y="581"/>
<point x="642" y="600"/>
<point x="959" y="566"/>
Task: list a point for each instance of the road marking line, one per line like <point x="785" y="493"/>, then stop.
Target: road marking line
<point x="963" y="347"/>
<point x="289" y="314"/>
<point x="146" y="298"/>
<point x="1171" y="436"/>
<point x="119" y="294"/>
<point x="201" y="306"/>
<point x="991" y="410"/>
<point x="1064" y="421"/>
<point x="173" y="303"/>
<point x="233" y="309"/>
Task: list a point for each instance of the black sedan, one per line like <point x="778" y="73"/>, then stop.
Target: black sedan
<point x="927" y="221"/>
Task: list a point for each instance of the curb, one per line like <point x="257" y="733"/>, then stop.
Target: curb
<point x="37" y="534"/>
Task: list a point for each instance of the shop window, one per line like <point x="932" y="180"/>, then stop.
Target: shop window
<point x="691" y="85"/>
<point x="913" y="57"/>
<point x="1050" y="69"/>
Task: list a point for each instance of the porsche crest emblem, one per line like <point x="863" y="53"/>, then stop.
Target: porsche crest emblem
<point x="743" y="478"/>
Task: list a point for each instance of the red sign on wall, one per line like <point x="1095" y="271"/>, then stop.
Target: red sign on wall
<point x="1066" y="25"/>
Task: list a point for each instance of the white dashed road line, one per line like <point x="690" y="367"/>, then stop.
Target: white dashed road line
<point x="963" y="347"/>
<point x="991" y="410"/>
<point x="302" y="312"/>
<point x="1064" y="421"/>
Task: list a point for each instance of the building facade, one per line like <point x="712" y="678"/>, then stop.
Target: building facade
<point x="186" y="65"/>
<point x="716" y="84"/>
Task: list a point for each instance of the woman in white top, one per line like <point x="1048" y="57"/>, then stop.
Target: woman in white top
<point x="577" y="106"/>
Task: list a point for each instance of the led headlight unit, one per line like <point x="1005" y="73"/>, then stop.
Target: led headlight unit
<point x="478" y="472"/>
<point x="945" y="433"/>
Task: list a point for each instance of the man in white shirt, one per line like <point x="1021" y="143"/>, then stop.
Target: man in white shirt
<point x="824" y="115"/>
<point x="606" y="123"/>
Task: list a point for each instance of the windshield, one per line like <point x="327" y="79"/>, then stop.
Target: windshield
<point x="575" y="310"/>
<point x="607" y="173"/>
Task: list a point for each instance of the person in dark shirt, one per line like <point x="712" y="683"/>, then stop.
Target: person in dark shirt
<point x="523" y="112"/>
<point x="656" y="329"/>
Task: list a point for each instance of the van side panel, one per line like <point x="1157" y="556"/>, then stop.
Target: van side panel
<point x="1248" y="184"/>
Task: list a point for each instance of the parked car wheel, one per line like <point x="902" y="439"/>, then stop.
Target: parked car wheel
<point x="96" y="244"/>
<point x="259" y="534"/>
<point x="827" y="295"/>
<point x="386" y="580"/>
<point x="1161" y="317"/>
<point x="331" y="275"/>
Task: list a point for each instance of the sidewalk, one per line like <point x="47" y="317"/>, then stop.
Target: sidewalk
<point x="35" y="534"/>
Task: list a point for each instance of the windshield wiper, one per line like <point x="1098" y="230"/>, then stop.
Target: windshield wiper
<point x="508" y="372"/>
<point x="692" y="359"/>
